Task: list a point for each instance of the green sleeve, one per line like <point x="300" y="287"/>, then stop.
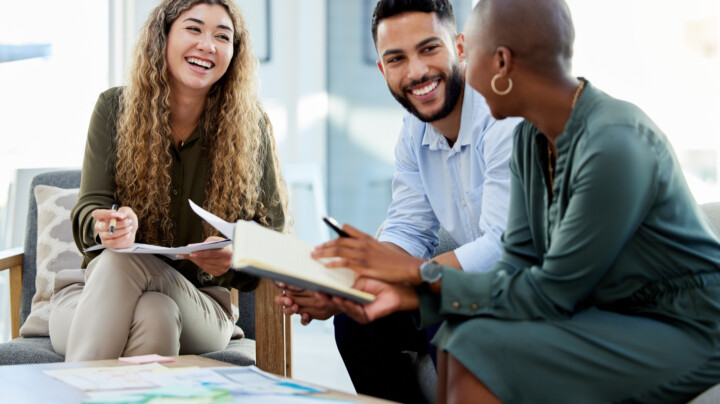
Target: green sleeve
<point x="612" y="187"/>
<point x="429" y="306"/>
<point x="96" y="186"/>
<point x="270" y="198"/>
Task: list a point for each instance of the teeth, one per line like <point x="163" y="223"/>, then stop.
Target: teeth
<point x="199" y="62"/>
<point x="426" y="89"/>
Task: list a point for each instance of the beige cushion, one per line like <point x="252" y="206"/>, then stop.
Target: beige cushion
<point x="56" y="250"/>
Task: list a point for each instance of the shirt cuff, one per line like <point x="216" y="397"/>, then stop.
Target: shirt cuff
<point x="464" y="294"/>
<point x="415" y="250"/>
<point x="428" y="305"/>
<point x="479" y="255"/>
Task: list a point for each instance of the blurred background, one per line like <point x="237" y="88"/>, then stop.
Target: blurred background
<point x="335" y="121"/>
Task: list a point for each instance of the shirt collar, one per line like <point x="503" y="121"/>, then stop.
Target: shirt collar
<point x="194" y="136"/>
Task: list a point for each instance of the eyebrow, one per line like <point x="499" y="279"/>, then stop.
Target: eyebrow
<point x="201" y="22"/>
<point x="418" y="46"/>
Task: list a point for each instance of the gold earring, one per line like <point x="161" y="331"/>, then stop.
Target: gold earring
<point x="494" y="88"/>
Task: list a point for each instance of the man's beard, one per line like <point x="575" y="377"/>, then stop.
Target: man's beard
<point x="453" y="88"/>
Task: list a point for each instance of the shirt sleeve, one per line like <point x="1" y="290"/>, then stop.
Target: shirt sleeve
<point x="411" y="223"/>
<point x="612" y="188"/>
<point x="96" y="185"/>
<point x="480" y="254"/>
<point x="271" y="198"/>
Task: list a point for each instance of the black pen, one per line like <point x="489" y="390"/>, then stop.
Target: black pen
<point x="113" y="222"/>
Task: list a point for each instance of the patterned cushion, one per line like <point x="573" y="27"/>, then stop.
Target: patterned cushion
<point x="55" y="251"/>
<point x="21" y="351"/>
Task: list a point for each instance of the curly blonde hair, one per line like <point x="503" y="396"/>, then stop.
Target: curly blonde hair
<point x="233" y="123"/>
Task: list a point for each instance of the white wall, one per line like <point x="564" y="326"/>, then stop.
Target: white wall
<point x="293" y="89"/>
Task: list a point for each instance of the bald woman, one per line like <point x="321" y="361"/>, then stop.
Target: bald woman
<point x="608" y="289"/>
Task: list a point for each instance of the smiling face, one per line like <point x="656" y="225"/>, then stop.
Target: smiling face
<point x="199" y="48"/>
<point x="420" y="63"/>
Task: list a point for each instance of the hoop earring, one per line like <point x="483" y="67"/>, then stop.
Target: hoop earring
<point x="494" y="88"/>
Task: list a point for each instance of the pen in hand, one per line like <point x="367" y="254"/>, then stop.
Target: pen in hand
<point x="113" y="222"/>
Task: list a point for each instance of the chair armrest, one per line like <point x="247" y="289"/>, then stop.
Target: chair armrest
<point x="272" y="332"/>
<point x="13" y="260"/>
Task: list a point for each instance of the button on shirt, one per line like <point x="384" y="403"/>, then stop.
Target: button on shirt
<point x="464" y="188"/>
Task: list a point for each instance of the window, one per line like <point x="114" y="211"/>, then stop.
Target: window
<point x="53" y="65"/>
<point x="664" y="57"/>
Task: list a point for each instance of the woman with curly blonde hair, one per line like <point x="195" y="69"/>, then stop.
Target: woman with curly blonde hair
<point x="188" y="126"/>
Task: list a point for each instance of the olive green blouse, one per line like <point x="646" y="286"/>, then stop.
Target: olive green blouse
<point x="189" y="175"/>
<point x="621" y="230"/>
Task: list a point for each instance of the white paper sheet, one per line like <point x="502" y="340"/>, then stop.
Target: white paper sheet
<point x="225" y="228"/>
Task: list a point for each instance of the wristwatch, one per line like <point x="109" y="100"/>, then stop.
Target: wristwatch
<point x="430" y="271"/>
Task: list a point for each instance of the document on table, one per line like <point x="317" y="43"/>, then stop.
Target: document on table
<point x="224" y="227"/>
<point x="142" y="382"/>
<point x="107" y="378"/>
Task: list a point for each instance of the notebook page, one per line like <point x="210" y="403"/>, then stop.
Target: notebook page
<point x="284" y="254"/>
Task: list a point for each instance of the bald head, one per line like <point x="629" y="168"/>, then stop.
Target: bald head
<point x="539" y="33"/>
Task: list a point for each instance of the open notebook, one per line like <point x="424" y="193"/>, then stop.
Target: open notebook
<point x="280" y="257"/>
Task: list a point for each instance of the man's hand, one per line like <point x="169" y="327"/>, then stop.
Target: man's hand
<point x="215" y="262"/>
<point x="389" y="298"/>
<point x="305" y="303"/>
<point x="126" y="225"/>
<point x="370" y="258"/>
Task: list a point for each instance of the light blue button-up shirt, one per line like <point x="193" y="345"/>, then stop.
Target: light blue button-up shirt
<point x="464" y="188"/>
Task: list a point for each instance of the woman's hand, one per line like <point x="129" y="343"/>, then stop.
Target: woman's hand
<point x="126" y="224"/>
<point x="215" y="262"/>
<point x="370" y="258"/>
<point x="389" y="298"/>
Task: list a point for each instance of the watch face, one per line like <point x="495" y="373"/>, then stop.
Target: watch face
<point x="430" y="271"/>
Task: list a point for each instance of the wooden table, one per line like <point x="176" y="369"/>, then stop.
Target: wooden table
<point x="28" y="383"/>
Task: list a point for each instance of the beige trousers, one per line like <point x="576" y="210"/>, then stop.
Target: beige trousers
<point x="135" y="304"/>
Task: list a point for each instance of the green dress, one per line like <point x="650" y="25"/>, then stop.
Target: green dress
<point x="608" y="288"/>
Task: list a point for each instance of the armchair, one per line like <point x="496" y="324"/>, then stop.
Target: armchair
<point x="267" y="341"/>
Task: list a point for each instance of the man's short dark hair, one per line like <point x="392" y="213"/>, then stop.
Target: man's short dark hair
<point x="389" y="8"/>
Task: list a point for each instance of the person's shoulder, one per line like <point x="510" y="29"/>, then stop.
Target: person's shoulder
<point x="110" y="98"/>
<point x="603" y="111"/>
<point x="112" y="93"/>
<point x="617" y="127"/>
